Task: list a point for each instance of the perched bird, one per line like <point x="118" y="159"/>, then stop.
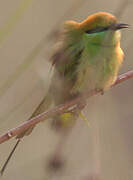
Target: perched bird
<point x="87" y="56"/>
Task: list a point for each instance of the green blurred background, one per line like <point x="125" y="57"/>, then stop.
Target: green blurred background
<point x="104" y="151"/>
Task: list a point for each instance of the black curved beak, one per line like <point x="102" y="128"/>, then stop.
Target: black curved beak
<point x="119" y="26"/>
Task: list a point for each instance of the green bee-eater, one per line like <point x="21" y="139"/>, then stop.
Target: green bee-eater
<point x="87" y="56"/>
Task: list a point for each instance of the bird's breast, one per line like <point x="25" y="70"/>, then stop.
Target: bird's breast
<point x="98" y="70"/>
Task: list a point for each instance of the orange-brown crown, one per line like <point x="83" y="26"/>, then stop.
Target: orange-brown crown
<point x="100" y="19"/>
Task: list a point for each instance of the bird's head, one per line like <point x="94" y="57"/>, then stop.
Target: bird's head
<point x="99" y="22"/>
<point x="98" y="26"/>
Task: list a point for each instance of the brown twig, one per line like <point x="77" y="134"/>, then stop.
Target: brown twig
<point x="58" y="110"/>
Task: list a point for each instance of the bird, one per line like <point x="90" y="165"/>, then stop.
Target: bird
<point x="87" y="56"/>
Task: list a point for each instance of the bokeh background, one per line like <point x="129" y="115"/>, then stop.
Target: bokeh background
<point x="104" y="151"/>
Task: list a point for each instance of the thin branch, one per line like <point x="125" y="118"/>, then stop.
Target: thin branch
<point x="73" y="104"/>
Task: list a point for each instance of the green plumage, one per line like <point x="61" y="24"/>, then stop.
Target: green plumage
<point x="87" y="62"/>
<point x="84" y="62"/>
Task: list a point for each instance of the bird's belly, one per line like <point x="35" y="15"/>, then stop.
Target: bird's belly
<point x="100" y="76"/>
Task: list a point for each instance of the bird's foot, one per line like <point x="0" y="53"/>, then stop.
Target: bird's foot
<point x="101" y="91"/>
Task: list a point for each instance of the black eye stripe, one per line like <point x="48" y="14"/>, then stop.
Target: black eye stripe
<point x="98" y="29"/>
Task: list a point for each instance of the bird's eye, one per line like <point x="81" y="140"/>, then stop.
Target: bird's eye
<point x="98" y="29"/>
